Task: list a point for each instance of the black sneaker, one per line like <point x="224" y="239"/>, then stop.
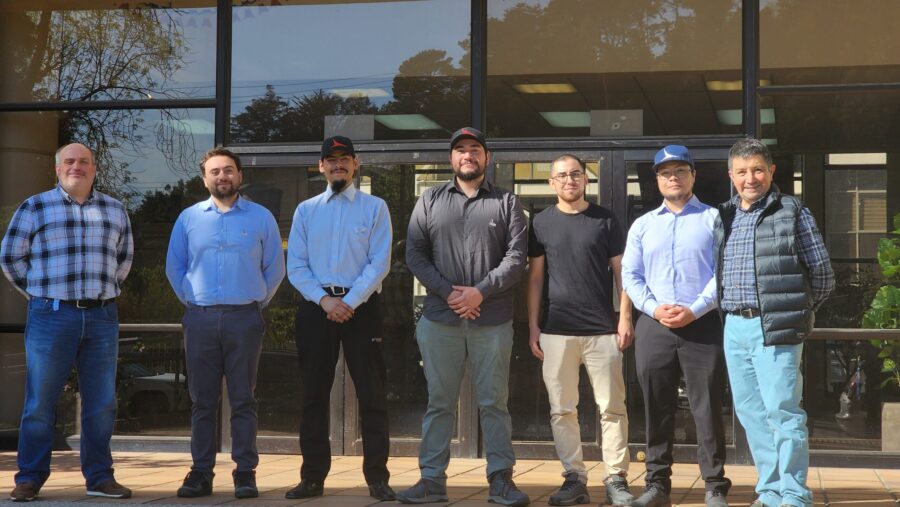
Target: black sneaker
<point x="245" y="484"/>
<point x="196" y="484"/>
<point x="424" y="491"/>
<point x="109" y="489"/>
<point x="572" y="492"/>
<point x="25" y="492"/>
<point x="306" y="489"/>
<point x="380" y="490"/>
<point x="654" y="496"/>
<point x="504" y="491"/>
<point x="617" y="493"/>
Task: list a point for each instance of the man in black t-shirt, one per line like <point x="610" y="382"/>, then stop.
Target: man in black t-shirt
<point x="575" y="248"/>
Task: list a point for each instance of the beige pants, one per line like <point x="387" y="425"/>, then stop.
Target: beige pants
<point x="563" y="355"/>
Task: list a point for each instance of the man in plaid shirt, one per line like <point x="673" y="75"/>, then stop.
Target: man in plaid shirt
<point x="773" y="272"/>
<point x="68" y="250"/>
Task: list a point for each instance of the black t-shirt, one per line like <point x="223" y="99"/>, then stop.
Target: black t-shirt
<point x="578" y="280"/>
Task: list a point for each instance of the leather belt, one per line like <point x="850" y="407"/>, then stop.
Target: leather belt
<point x="87" y="303"/>
<point x="335" y="291"/>
<point x="747" y="313"/>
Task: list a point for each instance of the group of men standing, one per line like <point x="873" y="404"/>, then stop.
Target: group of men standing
<point x="759" y="259"/>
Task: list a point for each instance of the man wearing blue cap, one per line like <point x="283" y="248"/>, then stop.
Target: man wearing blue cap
<point x="668" y="271"/>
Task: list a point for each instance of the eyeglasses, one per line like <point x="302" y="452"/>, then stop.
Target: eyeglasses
<point x="680" y="173"/>
<point x="562" y="177"/>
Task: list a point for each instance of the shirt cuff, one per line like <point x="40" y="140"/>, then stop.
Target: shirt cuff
<point x="649" y="308"/>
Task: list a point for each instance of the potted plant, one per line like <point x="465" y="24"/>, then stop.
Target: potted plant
<point x="884" y="313"/>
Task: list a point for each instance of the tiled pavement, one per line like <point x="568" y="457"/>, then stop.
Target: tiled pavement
<point x="154" y="477"/>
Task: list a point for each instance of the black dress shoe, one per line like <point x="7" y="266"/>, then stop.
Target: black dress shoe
<point x="380" y="490"/>
<point x="196" y="484"/>
<point x="306" y="489"/>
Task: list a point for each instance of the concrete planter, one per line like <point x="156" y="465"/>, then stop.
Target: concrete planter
<point x="890" y="426"/>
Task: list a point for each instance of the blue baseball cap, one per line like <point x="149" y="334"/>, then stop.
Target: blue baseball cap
<point x="672" y="153"/>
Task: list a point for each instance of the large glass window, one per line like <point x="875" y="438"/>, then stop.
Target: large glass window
<point x="369" y="70"/>
<point x="83" y="51"/>
<point x="829" y="42"/>
<point x="613" y="69"/>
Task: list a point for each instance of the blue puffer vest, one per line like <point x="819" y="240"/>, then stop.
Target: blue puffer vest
<point x="782" y="280"/>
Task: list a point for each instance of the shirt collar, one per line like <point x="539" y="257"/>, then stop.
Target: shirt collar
<point x="209" y="205"/>
<point x="68" y="198"/>
<point x="756" y="206"/>
<point x="454" y="187"/>
<point x="349" y="192"/>
<point x="693" y="202"/>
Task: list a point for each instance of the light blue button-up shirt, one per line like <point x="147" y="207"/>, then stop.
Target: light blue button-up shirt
<point x="341" y="240"/>
<point x="669" y="259"/>
<point x="230" y="258"/>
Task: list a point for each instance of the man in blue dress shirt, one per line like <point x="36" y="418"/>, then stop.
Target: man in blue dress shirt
<point x="339" y="251"/>
<point x="224" y="263"/>
<point x="668" y="270"/>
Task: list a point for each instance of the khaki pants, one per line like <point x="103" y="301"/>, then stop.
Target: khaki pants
<point x="563" y="355"/>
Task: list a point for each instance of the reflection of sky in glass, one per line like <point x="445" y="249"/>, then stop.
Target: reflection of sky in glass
<point x="304" y="48"/>
<point x="147" y="162"/>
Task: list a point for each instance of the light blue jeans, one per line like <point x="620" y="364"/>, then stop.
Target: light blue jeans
<point x="445" y="351"/>
<point x="767" y="387"/>
<point x="58" y="337"/>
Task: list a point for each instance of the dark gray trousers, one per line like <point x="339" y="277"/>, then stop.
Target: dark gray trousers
<point x="662" y="355"/>
<point x="223" y="340"/>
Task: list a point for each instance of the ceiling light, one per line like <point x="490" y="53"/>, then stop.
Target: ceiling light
<point x="545" y="88"/>
<point x="568" y="119"/>
<point x="360" y="92"/>
<point x="406" y="122"/>
<point x="731" y="86"/>
<point x="736" y="116"/>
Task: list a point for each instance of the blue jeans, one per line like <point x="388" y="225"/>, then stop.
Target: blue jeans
<point x="767" y="386"/>
<point x="445" y="351"/>
<point x="58" y="337"/>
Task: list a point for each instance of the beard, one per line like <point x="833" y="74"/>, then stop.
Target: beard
<point x="574" y="198"/>
<point x="226" y="193"/>
<point x="338" y="185"/>
<point x="471" y="175"/>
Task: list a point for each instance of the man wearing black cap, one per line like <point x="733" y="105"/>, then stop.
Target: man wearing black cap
<point x="668" y="271"/>
<point x="466" y="244"/>
<point x="339" y="251"/>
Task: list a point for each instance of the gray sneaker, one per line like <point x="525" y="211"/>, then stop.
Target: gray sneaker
<point x="716" y="499"/>
<point x="572" y="492"/>
<point x="617" y="493"/>
<point x="424" y="491"/>
<point x="504" y="491"/>
<point x="654" y="496"/>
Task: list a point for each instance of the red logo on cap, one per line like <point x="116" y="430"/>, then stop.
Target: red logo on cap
<point x="337" y="144"/>
<point x="466" y="132"/>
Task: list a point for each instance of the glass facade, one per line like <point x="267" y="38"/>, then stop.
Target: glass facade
<point x="371" y="70"/>
<point x="611" y="81"/>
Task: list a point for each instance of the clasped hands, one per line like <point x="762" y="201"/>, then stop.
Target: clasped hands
<point x="465" y="301"/>
<point x="336" y="309"/>
<point x="674" y="316"/>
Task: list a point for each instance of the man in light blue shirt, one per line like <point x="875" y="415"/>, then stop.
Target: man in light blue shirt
<point x="339" y="251"/>
<point x="225" y="263"/>
<point x="668" y="271"/>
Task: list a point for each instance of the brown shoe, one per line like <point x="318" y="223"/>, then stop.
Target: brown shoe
<point x="24" y="492"/>
<point x="109" y="489"/>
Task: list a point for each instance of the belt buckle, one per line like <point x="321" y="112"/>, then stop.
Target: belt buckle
<point x="79" y="302"/>
<point x="747" y="313"/>
<point x="338" y="291"/>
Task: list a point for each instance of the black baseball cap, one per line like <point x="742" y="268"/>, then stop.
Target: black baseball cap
<point x="337" y="143"/>
<point x="468" y="133"/>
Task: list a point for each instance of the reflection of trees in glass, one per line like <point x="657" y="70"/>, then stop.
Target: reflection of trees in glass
<point x="114" y="54"/>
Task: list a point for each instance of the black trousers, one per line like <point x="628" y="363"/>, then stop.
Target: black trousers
<point x="319" y="342"/>
<point x="661" y="356"/>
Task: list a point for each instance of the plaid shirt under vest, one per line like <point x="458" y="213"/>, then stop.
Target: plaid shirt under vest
<point x="56" y="248"/>
<point x="738" y="270"/>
